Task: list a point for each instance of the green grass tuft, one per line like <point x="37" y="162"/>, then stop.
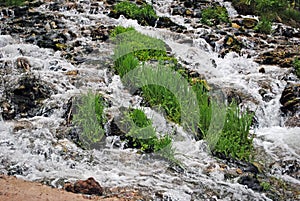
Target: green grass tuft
<point x="88" y="116"/>
<point x="143" y="136"/>
<point x="264" y="26"/>
<point x="119" y="30"/>
<point x="234" y="140"/>
<point x="144" y="14"/>
<point x="296" y="65"/>
<point x="214" y="15"/>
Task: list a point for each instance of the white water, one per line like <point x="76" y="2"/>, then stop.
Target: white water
<point x="39" y="155"/>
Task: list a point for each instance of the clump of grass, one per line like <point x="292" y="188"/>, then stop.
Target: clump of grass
<point x="264" y="26"/>
<point x="119" y="30"/>
<point x="296" y="65"/>
<point x="125" y="64"/>
<point x="214" y="15"/>
<point x="157" y="95"/>
<point x="144" y="14"/>
<point x="88" y="117"/>
<point x="143" y="47"/>
<point x="265" y="185"/>
<point x="143" y="136"/>
<point x="234" y="140"/>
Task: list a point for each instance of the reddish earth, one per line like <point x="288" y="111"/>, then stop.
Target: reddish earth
<point x="13" y="189"/>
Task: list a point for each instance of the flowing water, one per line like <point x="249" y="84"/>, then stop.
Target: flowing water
<point x="37" y="153"/>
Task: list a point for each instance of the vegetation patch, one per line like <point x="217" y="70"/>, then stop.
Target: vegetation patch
<point x="264" y="26"/>
<point x="143" y="47"/>
<point x="296" y="65"/>
<point x="143" y="136"/>
<point x="144" y="14"/>
<point x="272" y="10"/>
<point x="214" y="15"/>
<point x="12" y="2"/>
<point x="233" y="140"/>
<point x="89" y="118"/>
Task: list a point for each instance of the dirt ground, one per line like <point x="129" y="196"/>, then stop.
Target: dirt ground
<point x="13" y="189"/>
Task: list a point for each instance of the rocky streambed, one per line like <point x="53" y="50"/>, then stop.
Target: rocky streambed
<point x="52" y="51"/>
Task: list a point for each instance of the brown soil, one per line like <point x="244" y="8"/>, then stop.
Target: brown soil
<point x="13" y="189"/>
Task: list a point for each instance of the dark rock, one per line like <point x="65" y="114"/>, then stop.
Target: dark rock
<point x="262" y="70"/>
<point x="249" y="23"/>
<point x="20" y="11"/>
<point x="250" y="181"/>
<point x="165" y="22"/>
<point x="25" y="98"/>
<point x="290" y="98"/>
<point x="283" y="55"/>
<point x="188" y="4"/>
<point x="23" y="63"/>
<point x="89" y="186"/>
<point x="178" y="10"/>
<point x="100" y="33"/>
<point x="115" y="129"/>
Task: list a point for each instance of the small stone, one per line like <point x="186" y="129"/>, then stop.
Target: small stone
<point x="262" y="70"/>
<point x="239" y="171"/>
<point x="23" y="63"/>
<point x="89" y="186"/>
<point x="249" y="23"/>
<point x="235" y="25"/>
<point x="72" y="72"/>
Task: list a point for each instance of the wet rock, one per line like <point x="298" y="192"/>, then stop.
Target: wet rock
<point x="178" y="10"/>
<point x="265" y="95"/>
<point x="250" y="181"/>
<point x="100" y="33"/>
<point x="286" y="31"/>
<point x="249" y="23"/>
<point x="188" y="4"/>
<point x="231" y="44"/>
<point x="282" y="56"/>
<point x="115" y="129"/>
<point x="165" y="22"/>
<point x="286" y="167"/>
<point x="262" y="70"/>
<point x="23" y="63"/>
<point x="24" y="96"/>
<point x="290" y="98"/>
<point x="293" y="121"/>
<point x="21" y="125"/>
<point x="89" y="186"/>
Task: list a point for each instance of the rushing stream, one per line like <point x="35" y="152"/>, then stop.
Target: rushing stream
<point x="34" y="148"/>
